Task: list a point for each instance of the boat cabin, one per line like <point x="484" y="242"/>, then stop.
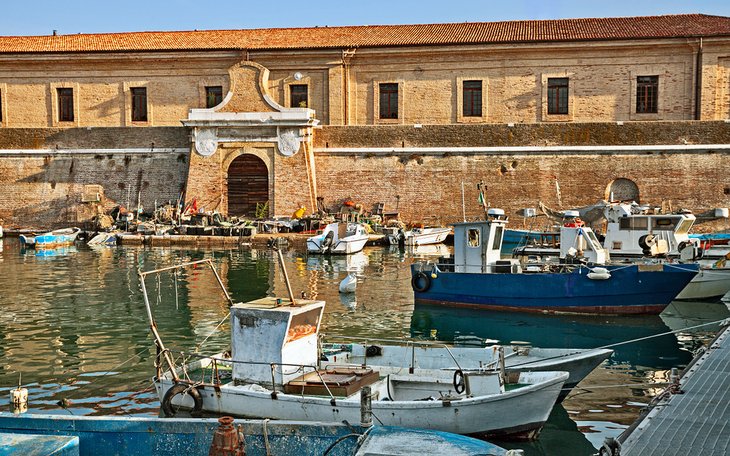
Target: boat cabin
<point x="634" y="231"/>
<point x="477" y="245"/>
<point x="273" y="332"/>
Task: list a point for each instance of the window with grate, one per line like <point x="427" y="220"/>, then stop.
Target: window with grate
<point x="139" y="104"/>
<point x="557" y="96"/>
<point x="298" y="96"/>
<point x="647" y="94"/>
<point x="389" y="101"/>
<point x="213" y="96"/>
<point x="65" y="104"/>
<point x="472" y="91"/>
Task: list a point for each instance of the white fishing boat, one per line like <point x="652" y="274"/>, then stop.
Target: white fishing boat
<point x="396" y="357"/>
<point x="417" y="236"/>
<point x="274" y="370"/>
<point x="340" y="238"/>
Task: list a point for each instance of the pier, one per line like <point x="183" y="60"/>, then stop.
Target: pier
<point x="691" y="417"/>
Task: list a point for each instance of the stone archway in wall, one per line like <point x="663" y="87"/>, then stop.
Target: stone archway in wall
<point x="623" y="190"/>
<point x="248" y="185"/>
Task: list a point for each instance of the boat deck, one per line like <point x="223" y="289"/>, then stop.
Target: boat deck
<point x="695" y="422"/>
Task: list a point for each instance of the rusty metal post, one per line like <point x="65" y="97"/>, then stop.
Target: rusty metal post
<point x="226" y="441"/>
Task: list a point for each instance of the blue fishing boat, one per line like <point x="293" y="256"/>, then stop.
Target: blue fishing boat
<point x="51" y="239"/>
<point x="153" y="436"/>
<point x="580" y="283"/>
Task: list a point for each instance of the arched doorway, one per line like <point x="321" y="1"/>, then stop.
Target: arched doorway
<point x="622" y="190"/>
<point x="248" y="185"/>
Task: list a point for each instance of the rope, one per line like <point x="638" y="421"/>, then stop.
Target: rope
<point x="266" y="438"/>
<point x="197" y="347"/>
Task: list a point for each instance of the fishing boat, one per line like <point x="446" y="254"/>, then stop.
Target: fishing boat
<point x="274" y="370"/>
<point x="581" y="283"/>
<point x="103" y="239"/>
<point x="636" y="233"/>
<point x="155" y="436"/>
<point x="51" y="239"/>
<point x="339" y="238"/>
<point x="397" y="358"/>
<point x="417" y="236"/>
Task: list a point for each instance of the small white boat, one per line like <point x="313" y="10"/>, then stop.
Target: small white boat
<point x="274" y="370"/>
<point x="103" y="239"/>
<point x="390" y="356"/>
<point x="340" y="238"/>
<point x="418" y="236"/>
<point x="51" y="239"/>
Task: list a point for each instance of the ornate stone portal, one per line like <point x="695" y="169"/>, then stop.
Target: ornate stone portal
<point x="250" y="121"/>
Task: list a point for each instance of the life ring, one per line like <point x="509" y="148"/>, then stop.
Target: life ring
<point x="181" y="388"/>
<point x="459" y="384"/>
<point x="421" y="282"/>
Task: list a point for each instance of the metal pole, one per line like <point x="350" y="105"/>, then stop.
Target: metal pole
<point x="463" y="204"/>
<point x="286" y="277"/>
<point x="366" y="407"/>
<point x="153" y="329"/>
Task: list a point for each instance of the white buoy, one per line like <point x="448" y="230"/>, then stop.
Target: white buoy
<point x="19" y="396"/>
<point x="599" y="274"/>
<point x="349" y="283"/>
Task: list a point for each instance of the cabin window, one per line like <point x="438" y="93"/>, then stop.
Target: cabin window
<point x="139" y="104"/>
<point x="472" y="98"/>
<point x="213" y="96"/>
<point x="634" y="223"/>
<point x="473" y="237"/>
<point x="299" y="96"/>
<point x="65" y="104"/>
<point x="557" y="95"/>
<point x="664" y="224"/>
<point x="647" y="94"/>
<point x="684" y="226"/>
<point x="497" y="243"/>
<point x="389" y="101"/>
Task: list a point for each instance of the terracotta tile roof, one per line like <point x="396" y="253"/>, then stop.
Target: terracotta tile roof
<point x="685" y="25"/>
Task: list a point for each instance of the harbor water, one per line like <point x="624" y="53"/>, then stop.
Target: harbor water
<point x="74" y="331"/>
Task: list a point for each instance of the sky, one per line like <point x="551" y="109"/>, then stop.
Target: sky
<point x="42" y="17"/>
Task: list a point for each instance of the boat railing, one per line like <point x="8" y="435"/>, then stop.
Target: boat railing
<point x="408" y="343"/>
<point x="215" y="380"/>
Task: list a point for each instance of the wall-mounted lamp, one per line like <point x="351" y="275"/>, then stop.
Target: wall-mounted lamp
<point x="298" y="76"/>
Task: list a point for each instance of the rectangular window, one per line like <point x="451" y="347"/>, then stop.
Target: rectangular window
<point x="213" y="96"/>
<point x="389" y="101"/>
<point x="298" y="96"/>
<point x="647" y="91"/>
<point x="65" y="104"/>
<point x="557" y="95"/>
<point x="139" y="104"/>
<point x="472" y="98"/>
<point x="1" y="106"/>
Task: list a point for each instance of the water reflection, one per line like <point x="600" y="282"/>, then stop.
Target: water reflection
<point x="558" y="331"/>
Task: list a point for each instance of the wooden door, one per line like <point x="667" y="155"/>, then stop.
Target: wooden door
<point x="248" y="185"/>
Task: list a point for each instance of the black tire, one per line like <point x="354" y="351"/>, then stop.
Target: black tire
<point x="181" y="388"/>
<point x="459" y="383"/>
<point x="647" y="241"/>
<point x="421" y="282"/>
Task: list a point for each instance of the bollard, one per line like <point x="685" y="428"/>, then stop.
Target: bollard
<point x="226" y="441"/>
<point x="366" y="407"/>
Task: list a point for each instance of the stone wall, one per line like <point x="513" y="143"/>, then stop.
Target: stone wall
<point x="42" y="181"/>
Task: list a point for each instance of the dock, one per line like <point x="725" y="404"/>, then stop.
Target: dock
<point x="691" y="417"/>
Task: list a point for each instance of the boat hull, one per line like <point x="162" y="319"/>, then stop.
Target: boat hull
<point x="631" y="289"/>
<point x="709" y="283"/>
<point x="427" y="236"/>
<point x="519" y="413"/>
<point x="52" y="239"/>
<point x="578" y="363"/>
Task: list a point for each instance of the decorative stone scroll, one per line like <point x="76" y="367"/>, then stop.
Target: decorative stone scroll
<point x="206" y="141"/>
<point x="289" y="141"/>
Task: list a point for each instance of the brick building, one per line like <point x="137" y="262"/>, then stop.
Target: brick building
<point x="406" y="115"/>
